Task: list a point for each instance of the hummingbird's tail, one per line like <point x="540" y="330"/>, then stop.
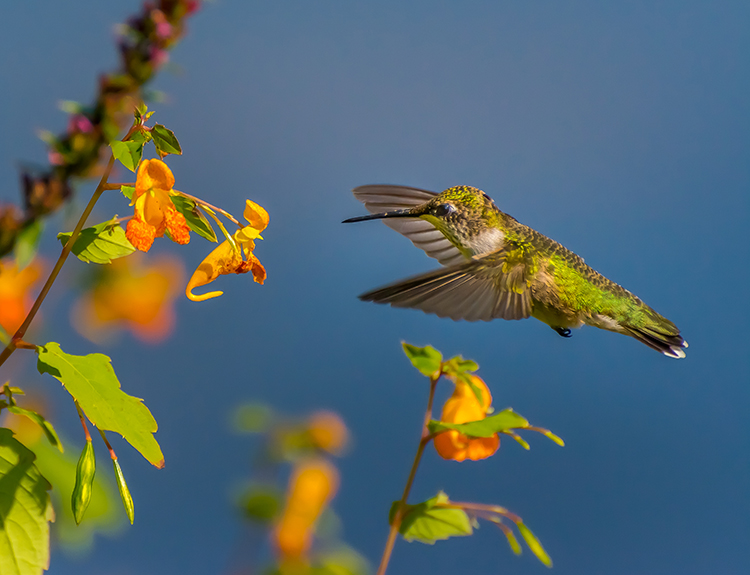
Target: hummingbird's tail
<point x="664" y="338"/>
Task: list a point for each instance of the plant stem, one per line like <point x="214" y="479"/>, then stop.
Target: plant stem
<point x="83" y="421"/>
<point x="398" y="516"/>
<point x="11" y="347"/>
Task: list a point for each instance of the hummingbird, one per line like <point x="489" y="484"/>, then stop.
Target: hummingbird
<point x="496" y="267"/>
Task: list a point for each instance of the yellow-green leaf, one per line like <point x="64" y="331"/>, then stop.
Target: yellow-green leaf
<point x="99" y="244"/>
<point x="129" y="153"/>
<point x="25" y="510"/>
<point x="426" y="359"/>
<point x="427" y="523"/>
<point x="194" y="217"/>
<point x="91" y="380"/>
<point x="49" y="431"/>
<point x="487" y="427"/>
<point x="165" y="140"/>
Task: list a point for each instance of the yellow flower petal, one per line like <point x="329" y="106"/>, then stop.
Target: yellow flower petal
<point x="153" y="174"/>
<point x="256" y="215"/>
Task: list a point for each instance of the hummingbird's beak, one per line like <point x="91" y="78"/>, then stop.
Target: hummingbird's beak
<point x="405" y="213"/>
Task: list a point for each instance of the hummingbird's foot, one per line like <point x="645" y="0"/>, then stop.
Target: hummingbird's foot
<point x="563" y="331"/>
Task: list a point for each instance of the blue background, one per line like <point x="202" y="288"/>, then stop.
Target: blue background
<point x="618" y="129"/>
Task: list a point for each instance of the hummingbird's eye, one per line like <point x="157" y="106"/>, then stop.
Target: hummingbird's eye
<point x="443" y="210"/>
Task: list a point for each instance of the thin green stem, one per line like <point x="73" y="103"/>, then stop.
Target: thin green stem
<point x="11" y="347"/>
<point x="399" y="515"/>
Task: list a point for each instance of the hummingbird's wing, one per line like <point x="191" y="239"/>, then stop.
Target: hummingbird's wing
<point x="473" y="291"/>
<point x="384" y="198"/>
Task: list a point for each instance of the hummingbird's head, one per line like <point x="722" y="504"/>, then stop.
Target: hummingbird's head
<point x="460" y="213"/>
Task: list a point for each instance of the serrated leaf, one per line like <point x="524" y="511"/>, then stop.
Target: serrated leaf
<point x="534" y="544"/>
<point x="25" y="510"/>
<point x="426" y="359"/>
<point x="165" y="140"/>
<point x="84" y="485"/>
<point x="128" y="153"/>
<point x="487" y="427"/>
<point x="49" y="431"/>
<point x="195" y="218"/>
<point x="27" y="243"/>
<point x="127" y="191"/>
<point x="100" y="244"/>
<point x="127" y="500"/>
<point x="91" y="380"/>
<point x="427" y="523"/>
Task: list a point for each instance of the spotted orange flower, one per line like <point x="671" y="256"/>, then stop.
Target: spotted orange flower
<point x="154" y="211"/>
<point x="312" y="485"/>
<point x="462" y="407"/>
<point x="134" y="295"/>
<point x="15" y="296"/>
<point x="226" y="260"/>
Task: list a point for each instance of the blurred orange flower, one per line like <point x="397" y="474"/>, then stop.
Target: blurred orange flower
<point x="134" y="295"/>
<point x="312" y="485"/>
<point x="461" y="407"/>
<point x="328" y="431"/>
<point x="154" y="211"/>
<point x="226" y="260"/>
<point x="15" y="296"/>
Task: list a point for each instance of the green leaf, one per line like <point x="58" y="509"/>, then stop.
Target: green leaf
<point x="534" y="544"/>
<point x="165" y="140"/>
<point x="46" y="426"/>
<point x="427" y="523"/>
<point x="127" y="500"/>
<point x="27" y="243"/>
<point x="262" y="503"/>
<point x="25" y="510"/>
<point x="129" y="153"/>
<point x="426" y="359"/>
<point x="140" y="137"/>
<point x="84" y="486"/>
<point x="127" y="191"/>
<point x="195" y="218"/>
<point x="459" y="365"/>
<point x="91" y="380"/>
<point x="487" y="427"/>
<point x="100" y="244"/>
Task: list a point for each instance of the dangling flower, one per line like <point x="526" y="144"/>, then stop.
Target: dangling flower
<point x="133" y="295"/>
<point x="463" y="406"/>
<point x="154" y="211"/>
<point x="312" y="485"/>
<point x="15" y="299"/>
<point x="225" y="259"/>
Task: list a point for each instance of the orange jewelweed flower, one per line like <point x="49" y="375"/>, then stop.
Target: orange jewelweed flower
<point x="131" y="294"/>
<point x="154" y="211"/>
<point x="312" y="485"/>
<point x="463" y="407"/>
<point x="15" y="296"/>
<point x="225" y="260"/>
